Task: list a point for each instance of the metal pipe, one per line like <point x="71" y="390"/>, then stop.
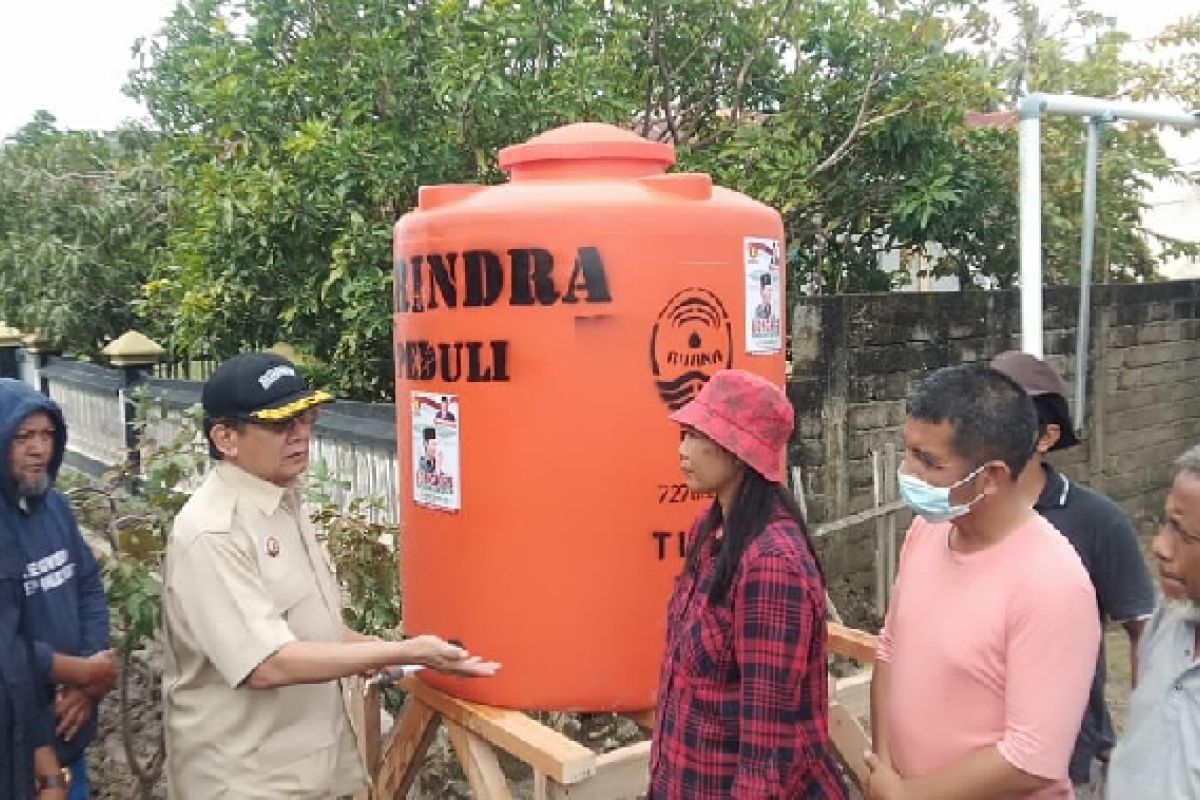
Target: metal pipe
<point x="1039" y="104"/>
<point x="1030" y="145"/>
<point x="1086" y="249"/>
<point x="1030" y="109"/>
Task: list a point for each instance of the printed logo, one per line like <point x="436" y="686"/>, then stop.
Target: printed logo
<point x="691" y="340"/>
<point x="273" y="374"/>
<point x="49" y="573"/>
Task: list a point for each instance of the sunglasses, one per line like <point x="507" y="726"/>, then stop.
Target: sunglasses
<point x="306" y="418"/>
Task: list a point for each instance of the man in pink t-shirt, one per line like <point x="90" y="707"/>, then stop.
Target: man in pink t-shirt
<point x="987" y="653"/>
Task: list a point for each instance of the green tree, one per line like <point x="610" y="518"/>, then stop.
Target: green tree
<point x="1081" y="52"/>
<point x="851" y="148"/>
<point x="82" y="217"/>
<point x="300" y="132"/>
<point x="290" y="136"/>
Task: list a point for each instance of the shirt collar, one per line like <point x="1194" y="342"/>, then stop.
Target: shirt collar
<point x="266" y="496"/>
<point x="1054" y="493"/>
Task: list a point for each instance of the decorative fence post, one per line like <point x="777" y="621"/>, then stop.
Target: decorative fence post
<point x="40" y="347"/>
<point x="135" y="355"/>
<point x="10" y="340"/>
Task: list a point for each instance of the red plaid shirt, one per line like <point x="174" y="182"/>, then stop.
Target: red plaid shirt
<point x="743" y="698"/>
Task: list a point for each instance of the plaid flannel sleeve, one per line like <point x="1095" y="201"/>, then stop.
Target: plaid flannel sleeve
<point x="773" y="628"/>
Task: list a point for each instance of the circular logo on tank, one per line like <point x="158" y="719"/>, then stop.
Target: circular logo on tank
<point x="691" y="340"/>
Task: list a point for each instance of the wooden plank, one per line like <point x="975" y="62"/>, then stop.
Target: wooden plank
<point x="623" y="774"/>
<point x="858" y="519"/>
<point x="544" y="749"/>
<point x="479" y="764"/>
<point x="890" y="491"/>
<point x="371" y="744"/>
<point x="851" y="642"/>
<point x="850" y="742"/>
<point x="365" y="708"/>
<point x="881" y="579"/>
<point x="411" y="736"/>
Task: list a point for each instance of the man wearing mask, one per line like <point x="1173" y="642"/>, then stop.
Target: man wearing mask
<point x="1107" y="544"/>
<point x="258" y="661"/>
<point x="1159" y="754"/>
<point x="65" y="609"/>
<point x="990" y="642"/>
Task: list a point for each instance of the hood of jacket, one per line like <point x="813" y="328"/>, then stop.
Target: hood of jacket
<point x="17" y="401"/>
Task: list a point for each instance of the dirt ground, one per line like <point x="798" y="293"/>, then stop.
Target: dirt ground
<point x="1117" y="688"/>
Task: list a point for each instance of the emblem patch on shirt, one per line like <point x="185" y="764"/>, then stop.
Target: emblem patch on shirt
<point x="272" y="546"/>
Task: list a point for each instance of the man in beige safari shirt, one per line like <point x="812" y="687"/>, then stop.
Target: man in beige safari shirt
<point x="256" y="694"/>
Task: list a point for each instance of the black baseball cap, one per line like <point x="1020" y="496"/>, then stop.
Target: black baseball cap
<point x="258" y="386"/>
<point x="1045" y="387"/>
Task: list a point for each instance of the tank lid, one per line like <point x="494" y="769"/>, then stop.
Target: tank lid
<point x="585" y="141"/>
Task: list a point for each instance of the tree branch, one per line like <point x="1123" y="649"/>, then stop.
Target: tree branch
<point x="861" y="123"/>
<point x="744" y="71"/>
<point x="692" y="125"/>
<point x="665" y="74"/>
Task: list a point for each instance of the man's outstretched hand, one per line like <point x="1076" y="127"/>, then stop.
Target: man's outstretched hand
<point x="436" y="653"/>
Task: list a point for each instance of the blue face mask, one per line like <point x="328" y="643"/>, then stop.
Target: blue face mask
<point x="933" y="502"/>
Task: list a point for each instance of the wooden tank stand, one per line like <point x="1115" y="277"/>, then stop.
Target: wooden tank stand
<point x="846" y="700"/>
<point x="562" y="768"/>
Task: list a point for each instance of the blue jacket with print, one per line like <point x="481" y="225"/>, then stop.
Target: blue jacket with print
<point x="64" y="603"/>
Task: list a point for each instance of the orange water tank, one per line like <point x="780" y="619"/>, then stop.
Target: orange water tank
<point x="544" y="329"/>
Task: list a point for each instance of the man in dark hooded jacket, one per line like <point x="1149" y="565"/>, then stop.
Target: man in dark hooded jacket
<point x="64" y="604"/>
<point x="28" y="766"/>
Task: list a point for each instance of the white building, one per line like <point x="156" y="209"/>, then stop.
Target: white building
<point x="1175" y="208"/>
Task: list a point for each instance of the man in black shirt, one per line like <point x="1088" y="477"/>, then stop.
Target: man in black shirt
<point x="1103" y="536"/>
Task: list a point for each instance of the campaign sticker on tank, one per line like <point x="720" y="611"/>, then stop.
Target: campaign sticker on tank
<point x="435" y="449"/>
<point x="764" y="295"/>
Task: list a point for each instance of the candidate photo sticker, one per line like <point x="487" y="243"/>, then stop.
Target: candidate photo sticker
<point x="764" y="295"/>
<point x="436" y="479"/>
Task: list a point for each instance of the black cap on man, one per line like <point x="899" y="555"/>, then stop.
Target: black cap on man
<point x="1045" y="388"/>
<point x="256" y="387"/>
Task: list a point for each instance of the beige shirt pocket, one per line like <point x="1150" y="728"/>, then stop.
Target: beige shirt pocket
<point x="299" y="603"/>
<point x="297" y="761"/>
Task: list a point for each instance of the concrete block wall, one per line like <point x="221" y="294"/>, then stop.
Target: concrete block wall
<point x="856" y="356"/>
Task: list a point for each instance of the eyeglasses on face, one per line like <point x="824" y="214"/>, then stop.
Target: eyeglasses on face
<point x="306" y="418"/>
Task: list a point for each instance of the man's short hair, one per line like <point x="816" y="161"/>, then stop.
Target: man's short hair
<point x="1189" y="463"/>
<point x="991" y="416"/>
<point x="1052" y="409"/>
<point x="212" y="422"/>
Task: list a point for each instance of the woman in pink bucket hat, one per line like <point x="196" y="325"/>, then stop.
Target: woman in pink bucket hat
<point x="743" y="698"/>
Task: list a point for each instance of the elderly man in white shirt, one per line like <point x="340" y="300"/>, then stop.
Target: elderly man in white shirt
<point x="1159" y="757"/>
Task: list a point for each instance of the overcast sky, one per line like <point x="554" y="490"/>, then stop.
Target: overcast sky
<point x="71" y="57"/>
